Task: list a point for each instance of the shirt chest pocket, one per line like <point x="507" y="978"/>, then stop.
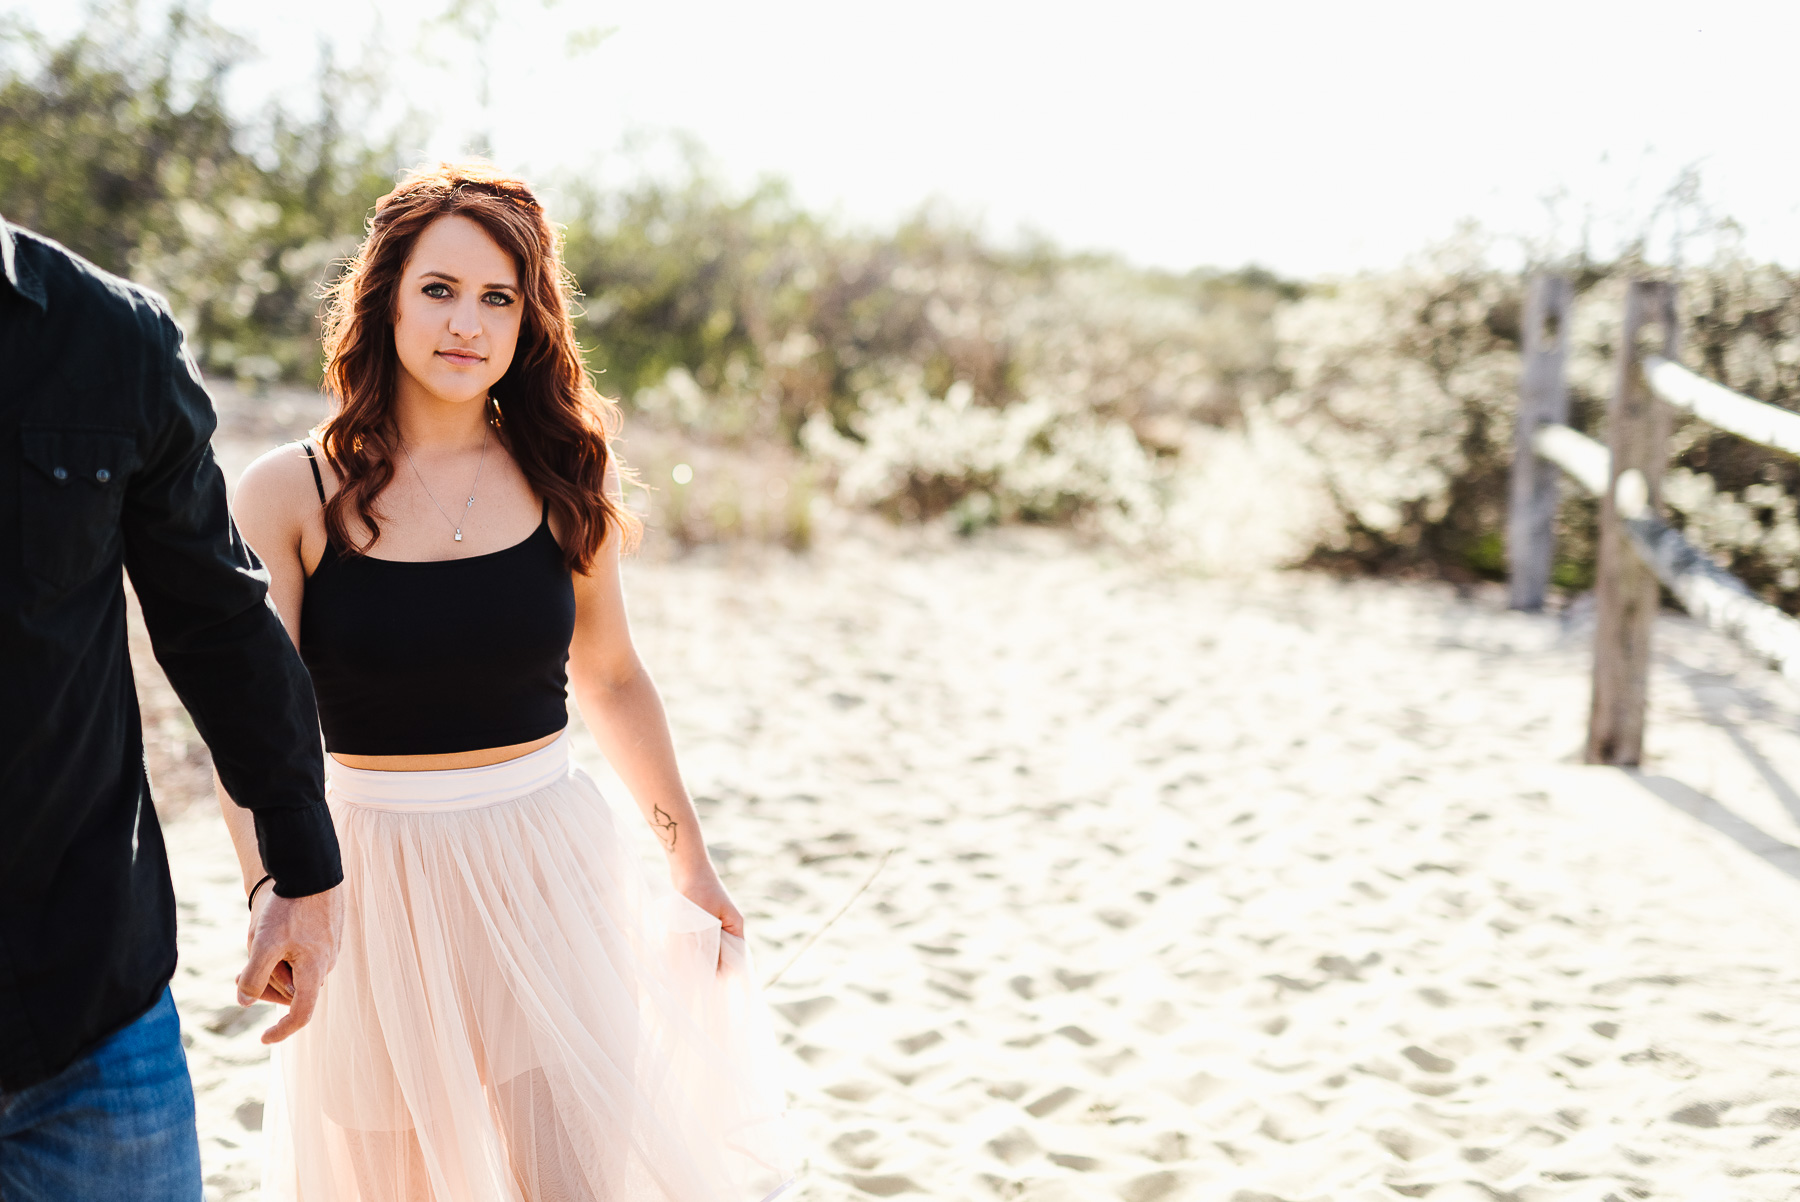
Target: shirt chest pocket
<point x="70" y="496"/>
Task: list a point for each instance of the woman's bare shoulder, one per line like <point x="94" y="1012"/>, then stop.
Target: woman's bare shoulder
<point x="276" y="492"/>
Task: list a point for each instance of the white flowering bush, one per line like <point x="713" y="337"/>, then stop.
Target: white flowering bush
<point x="1128" y="411"/>
<point x="1757" y="524"/>
<point x="917" y="456"/>
<point x="1246" y="498"/>
<point x="1402" y="386"/>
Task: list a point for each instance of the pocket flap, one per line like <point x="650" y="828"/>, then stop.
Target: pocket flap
<point x="101" y="458"/>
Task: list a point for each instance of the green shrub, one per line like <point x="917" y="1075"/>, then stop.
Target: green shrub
<point x="117" y="143"/>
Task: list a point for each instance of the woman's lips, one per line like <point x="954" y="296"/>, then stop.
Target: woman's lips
<point x="461" y="358"/>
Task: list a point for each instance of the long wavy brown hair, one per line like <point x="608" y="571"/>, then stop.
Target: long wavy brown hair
<point x="547" y="412"/>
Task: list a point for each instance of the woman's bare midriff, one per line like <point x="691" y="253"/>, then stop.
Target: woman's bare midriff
<point x="439" y="763"/>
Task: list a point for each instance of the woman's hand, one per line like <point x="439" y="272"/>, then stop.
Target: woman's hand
<point x="702" y="886"/>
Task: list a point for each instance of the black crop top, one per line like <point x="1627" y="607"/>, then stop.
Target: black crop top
<point x="424" y="658"/>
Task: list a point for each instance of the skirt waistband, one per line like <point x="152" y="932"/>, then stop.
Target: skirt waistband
<point x="450" y="788"/>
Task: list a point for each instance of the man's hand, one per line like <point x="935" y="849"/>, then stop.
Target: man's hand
<point x="293" y="944"/>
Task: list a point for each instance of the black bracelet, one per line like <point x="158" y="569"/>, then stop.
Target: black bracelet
<point x="267" y="877"/>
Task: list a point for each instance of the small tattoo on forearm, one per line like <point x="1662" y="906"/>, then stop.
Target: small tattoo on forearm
<point x="666" y="827"/>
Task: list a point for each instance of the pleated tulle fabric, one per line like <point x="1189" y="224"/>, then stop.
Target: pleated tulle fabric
<point x="519" y="1015"/>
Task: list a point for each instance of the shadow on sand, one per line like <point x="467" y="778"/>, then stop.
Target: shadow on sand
<point x="1705" y="687"/>
<point x="1745" y="833"/>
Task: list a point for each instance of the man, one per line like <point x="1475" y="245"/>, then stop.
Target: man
<point x="105" y="460"/>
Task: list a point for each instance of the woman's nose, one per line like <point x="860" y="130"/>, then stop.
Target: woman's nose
<point x="465" y="320"/>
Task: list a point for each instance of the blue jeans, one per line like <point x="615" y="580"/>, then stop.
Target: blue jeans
<point x="117" y="1124"/>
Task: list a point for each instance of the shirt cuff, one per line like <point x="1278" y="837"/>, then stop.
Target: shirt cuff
<point x="299" y="849"/>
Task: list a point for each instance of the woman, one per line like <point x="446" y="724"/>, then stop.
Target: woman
<point x="515" y="1013"/>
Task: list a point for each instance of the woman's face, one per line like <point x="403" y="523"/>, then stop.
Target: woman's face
<point x="456" y="319"/>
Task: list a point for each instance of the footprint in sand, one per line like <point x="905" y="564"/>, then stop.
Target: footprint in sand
<point x="852" y="1147"/>
<point x="803" y="1012"/>
<point x="1407" y="1143"/>
<point x="883" y="1186"/>
<point x="912" y="1045"/>
<point x="853" y="1091"/>
<point x="1198" y="1088"/>
<point x="1169" y="1147"/>
<point x="1052" y="1101"/>
<point x="1013" y="1146"/>
<point x="1073" y="981"/>
<point x="1430" y="1062"/>
<point x="1700" y="1114"/>
<point x="234" y="1020"/>
<point x="1154" y="1187"/>
<point x="1161" y="1018"/>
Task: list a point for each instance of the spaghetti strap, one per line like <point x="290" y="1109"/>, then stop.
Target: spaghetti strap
<point x="318" y="481"/>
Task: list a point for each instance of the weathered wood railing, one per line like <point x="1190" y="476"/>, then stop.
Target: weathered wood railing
<point x="1637" y="550"/>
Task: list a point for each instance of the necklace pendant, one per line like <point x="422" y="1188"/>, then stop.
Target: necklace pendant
<point x="459" y="536"/>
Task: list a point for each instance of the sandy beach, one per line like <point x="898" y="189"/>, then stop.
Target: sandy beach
<point x="1282" y="888"/>
<point x="1090" y="850"/>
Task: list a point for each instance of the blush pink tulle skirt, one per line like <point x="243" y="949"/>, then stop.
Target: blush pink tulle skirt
<point x="518" y="1014"/>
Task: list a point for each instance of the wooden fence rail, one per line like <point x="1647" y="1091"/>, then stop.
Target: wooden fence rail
<point x="1705" y="590"/>
<point x="1637" y="550"/>
<point x="1719" y="406"/>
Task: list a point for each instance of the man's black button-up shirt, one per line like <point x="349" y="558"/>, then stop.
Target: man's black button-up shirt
<point x="105" y="461"/>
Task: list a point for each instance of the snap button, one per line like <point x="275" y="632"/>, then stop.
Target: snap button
<point x="103" y="475"/>
<point x="59" y="473"/>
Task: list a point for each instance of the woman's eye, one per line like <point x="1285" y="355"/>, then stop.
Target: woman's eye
<point x="499" y="298"/>
<point x="436" y="291"/>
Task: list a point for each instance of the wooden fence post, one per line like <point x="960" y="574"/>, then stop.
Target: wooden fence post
<point x="1626" y="593"/>
<point x="1543" y="399"/>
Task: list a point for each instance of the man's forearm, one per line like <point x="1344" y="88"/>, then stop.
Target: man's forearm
<point x="205" y="603"/>
<point x="246" y="691"/>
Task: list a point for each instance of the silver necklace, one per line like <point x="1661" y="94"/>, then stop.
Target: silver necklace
<point x="479" y="464"/>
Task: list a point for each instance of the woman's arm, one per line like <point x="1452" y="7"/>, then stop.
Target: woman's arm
<point x="621" y="706"/>
<point x="269" y="510"/>
<point x="293" y="942"/>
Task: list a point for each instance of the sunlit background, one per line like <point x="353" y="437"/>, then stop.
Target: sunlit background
<point x="1306" y="137"/>
<point x="1111" y="269"/>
